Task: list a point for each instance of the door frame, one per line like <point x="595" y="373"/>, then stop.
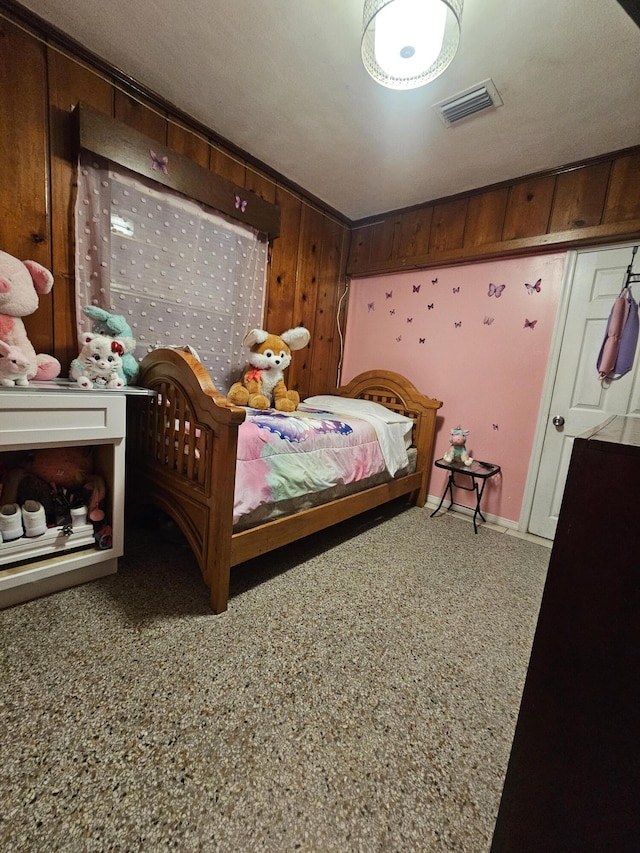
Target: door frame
<point x="544" y="410"/>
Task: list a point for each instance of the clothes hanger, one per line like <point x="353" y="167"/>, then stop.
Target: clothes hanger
<point x="631" y="276"/>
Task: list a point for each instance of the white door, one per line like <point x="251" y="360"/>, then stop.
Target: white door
<point x="578" y="396"/>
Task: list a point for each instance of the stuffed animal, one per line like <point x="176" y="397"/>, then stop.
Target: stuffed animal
<point x="457" y="452"/>
<point x="116" y="326"/>
<point x="59" y="478"/>
<point x="20" y="284"/>
<point x="263" y="381"/>
<point x="14" y="365"/>
<point x="66" y="467"/>
<point x="99" y="362"/>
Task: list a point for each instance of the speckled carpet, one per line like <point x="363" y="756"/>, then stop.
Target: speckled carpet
<point x="360" y="694"/>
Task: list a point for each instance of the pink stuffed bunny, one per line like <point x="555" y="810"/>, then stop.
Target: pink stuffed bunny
<point x="20" y="284"/>
<point x="14" y="365"/>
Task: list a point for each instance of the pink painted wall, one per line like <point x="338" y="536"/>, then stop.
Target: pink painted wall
<point x="475" y="337"/>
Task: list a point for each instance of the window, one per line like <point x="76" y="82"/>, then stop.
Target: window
<point x="179" y="273"/>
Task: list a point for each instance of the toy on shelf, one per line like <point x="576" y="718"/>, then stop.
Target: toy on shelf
<point x="97" y="490"/>
<point x="99" y="363"/>
<point x="115" y="326"/>
<point x="14" y="365"/>
<point x="263" y="381"/>
<point x="61" y="479"/>
<point x="457" y="451"/>
<point x="21" y="282"/>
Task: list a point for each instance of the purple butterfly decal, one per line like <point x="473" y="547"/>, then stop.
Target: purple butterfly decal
<point x="421" y="340"/>
<point x="416" y="288"/>
<point x="456" y="290"/>
<point x="530" y="324"/>
<point x="392" y="311"/>
<point x="399" y="338"/>
<point x="371" y="306"/>
<point x="495" y="426"/>
<point x="409" y="319"/>
<point x="458" y="324"/>
<point x="240" y="203"/>
<point x="388" y="293"/>
<point x="434" y="280"/>
<point x="533" y="288"/>
<point x="430" y="306"/>
<point x="488" y="321"/>
<point x="159" y="163"/>
<point x="496" y="291"/>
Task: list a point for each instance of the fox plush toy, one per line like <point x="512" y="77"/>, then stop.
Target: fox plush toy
<point x="262" y="383"/>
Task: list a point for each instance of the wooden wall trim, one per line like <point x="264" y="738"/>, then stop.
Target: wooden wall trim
<point x="592" y="204"/>
<point x="126" y="147"/>
<point x="598" y="235"/>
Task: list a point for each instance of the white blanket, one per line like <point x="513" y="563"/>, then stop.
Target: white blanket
<point x="392" y="430"/>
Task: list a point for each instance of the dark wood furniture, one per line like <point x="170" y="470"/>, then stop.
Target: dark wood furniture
<point x="573" y="779"/>
<point x="181" y="456"/>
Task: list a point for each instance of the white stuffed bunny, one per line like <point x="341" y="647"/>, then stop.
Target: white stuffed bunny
<point x="14" y="365"/>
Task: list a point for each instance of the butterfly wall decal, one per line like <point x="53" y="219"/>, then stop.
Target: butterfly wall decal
<point x="434" y="280"/>
<point x="530" y="324"/>
<point x="416" y="288"/>
<point x="392" y="311"/>
<point x="488" y="321"/>
<point x="456" y="290"/>
<point x="409" y="319"/>
<point x="371" y="306"/>
<point x="388" y="293"/>
<point x="458" y="324"/>
<point x="421" y="340"/>
<point x="430" y="306"/>
<point x="240" y="203"/>
<point x="533" y="288"/>
<point x="495" y="426"/>
<point x="399" y="338"/>
<point x="496" y="291"/>
<point x="159" y="163"/>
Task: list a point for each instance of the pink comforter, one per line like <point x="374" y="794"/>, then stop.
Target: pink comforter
<point x="284" y="456"/>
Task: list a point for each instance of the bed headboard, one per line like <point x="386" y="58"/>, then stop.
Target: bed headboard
<point x="399" y="394"/>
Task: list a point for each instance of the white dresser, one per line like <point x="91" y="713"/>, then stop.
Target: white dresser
<point x="60" y="414"/>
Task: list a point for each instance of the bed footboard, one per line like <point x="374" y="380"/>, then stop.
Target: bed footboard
<point x="181" y="457"/>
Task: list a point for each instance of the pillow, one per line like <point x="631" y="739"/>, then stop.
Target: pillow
<point x="350" y="406"/>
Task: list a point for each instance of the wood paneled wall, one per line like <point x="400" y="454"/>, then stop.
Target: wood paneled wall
<point x="41" y="85"/>
<point x="590" y="204"/>
<point x="43" y="78"/>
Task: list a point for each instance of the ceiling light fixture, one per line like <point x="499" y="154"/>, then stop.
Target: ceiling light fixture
<point x="408" y="43"/>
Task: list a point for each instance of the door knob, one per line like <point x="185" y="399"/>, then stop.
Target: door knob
<point x="558" y="421"/>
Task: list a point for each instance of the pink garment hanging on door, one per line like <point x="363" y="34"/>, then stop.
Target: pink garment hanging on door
<point x="621" y="339"/>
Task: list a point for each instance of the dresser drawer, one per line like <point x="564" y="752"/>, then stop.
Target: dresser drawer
<point x="59" y="418"/>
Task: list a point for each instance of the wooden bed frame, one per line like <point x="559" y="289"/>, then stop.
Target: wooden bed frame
<point x="181" y="457"/>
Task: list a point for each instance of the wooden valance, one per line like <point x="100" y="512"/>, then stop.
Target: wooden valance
<point x="124" y="146"/>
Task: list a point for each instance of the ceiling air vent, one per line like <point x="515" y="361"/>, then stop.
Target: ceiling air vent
<point x="483" y="96"/>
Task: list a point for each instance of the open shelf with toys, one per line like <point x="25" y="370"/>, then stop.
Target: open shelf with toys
<point x="63" y="448"/>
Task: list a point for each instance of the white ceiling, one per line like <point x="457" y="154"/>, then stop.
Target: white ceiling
<point x="283" y="81"/>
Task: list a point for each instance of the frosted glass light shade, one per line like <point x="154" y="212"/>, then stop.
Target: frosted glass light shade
<point x="407" y="43"/>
